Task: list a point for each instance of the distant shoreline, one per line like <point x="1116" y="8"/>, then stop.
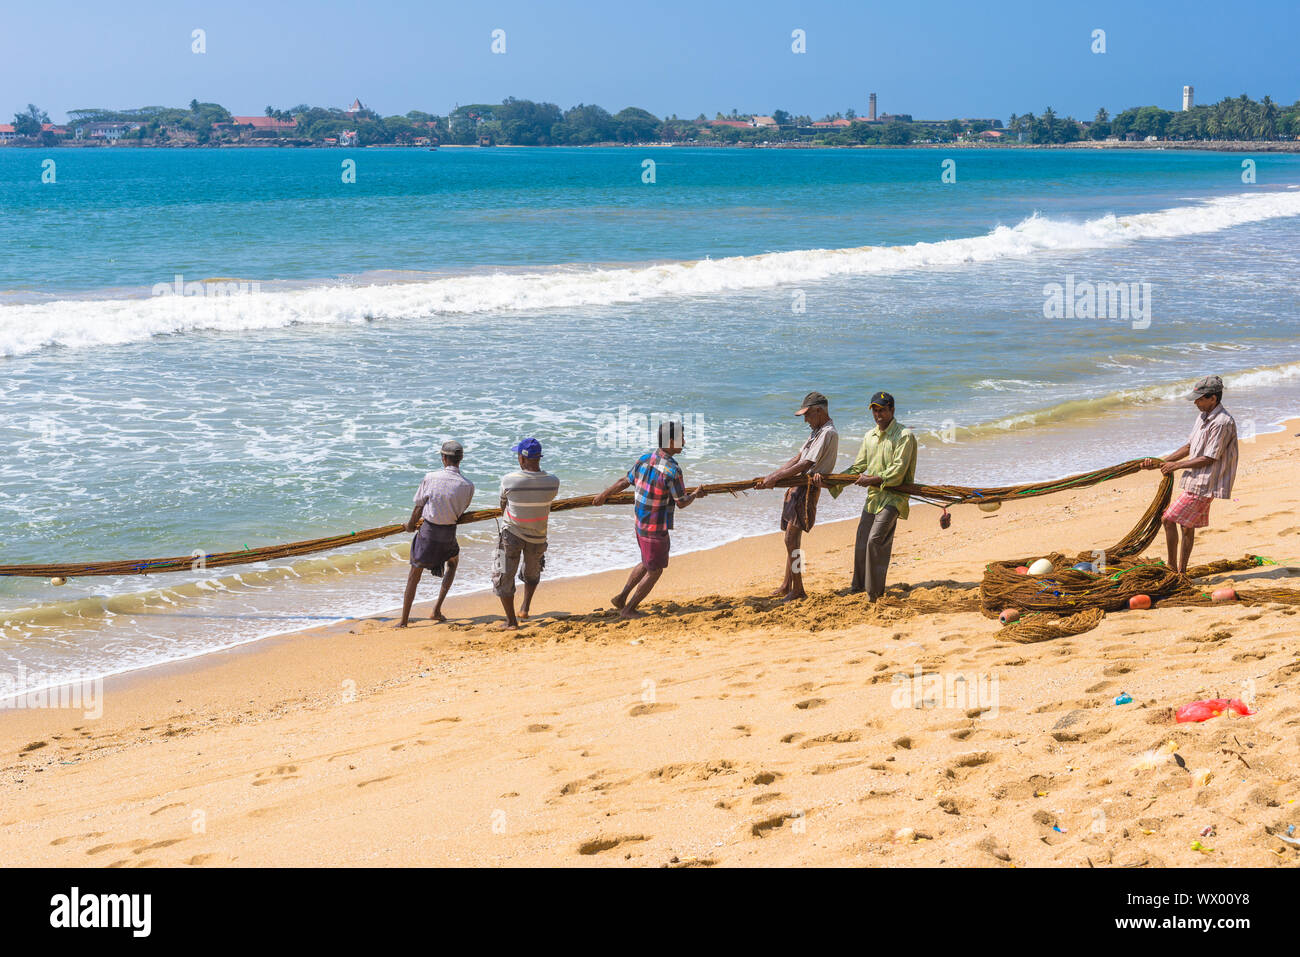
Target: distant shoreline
<point x="1211" y="146"/>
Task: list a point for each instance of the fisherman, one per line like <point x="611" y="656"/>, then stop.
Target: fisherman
<point x="526" y="497"/>
<point x="1210" y="460"/>
<point x="441" y="500"/>
<point x="658" y="486"/>
<point x="799" y="509"/>
<point x="886" y="459"/>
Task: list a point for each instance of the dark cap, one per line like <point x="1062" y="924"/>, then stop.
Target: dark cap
<point x="883" y="399"/>
<point x="811" y="400"/>
<point x="1206" y="386"/>
<point x="453" y="448"/>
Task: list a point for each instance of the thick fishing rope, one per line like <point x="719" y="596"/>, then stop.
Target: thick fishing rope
<point x="940" y="495"/>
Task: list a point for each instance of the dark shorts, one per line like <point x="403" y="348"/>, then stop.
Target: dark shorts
<point x="654" y="550"/>
<point x="510" y="549"/>
<point x="800" y="507"/>
<point x="432" y="546"/>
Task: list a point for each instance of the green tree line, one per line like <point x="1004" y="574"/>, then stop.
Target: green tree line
<point x="523" y="122"/>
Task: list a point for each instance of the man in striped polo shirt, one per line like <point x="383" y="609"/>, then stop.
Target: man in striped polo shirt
<point x="658" y="486"/>
<point x="526" y="497"/>
<point x="1210" y="459"/>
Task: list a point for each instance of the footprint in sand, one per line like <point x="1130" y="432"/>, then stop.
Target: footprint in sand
<point x="599" y="844"/>
<point x="643" y="709"/>
<point x="536" y="728"/>
<point x="165" y="807"/>
<point x="282" y="773"/>
<point x="839" y="737"/>
<point x="101" y="848"/>
<point x="761" y="828"/>
<point x="89" y="835"/>
<point x="810" y="703"/>
<point x="972" y="759"/>
<point x="157" y="844"/>
<point x="362" y="784"/>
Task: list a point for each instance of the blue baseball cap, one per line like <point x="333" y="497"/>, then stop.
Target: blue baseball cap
<point x="528" y="448"/>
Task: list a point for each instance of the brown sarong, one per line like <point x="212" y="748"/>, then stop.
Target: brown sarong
<point x="800" y="507"/>
<point x="432" y="546"/>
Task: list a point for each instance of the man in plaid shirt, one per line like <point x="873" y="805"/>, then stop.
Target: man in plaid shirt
<point x="658" y="486"/>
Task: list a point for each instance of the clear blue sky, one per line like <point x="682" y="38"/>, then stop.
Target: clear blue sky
<point x="934" y="59"/>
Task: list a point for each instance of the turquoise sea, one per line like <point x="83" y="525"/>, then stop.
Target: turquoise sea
<point x="205" y="349"/>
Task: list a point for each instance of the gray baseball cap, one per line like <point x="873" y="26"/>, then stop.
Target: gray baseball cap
<point x="452" y="447"/>
<point x="1211" y="383"/>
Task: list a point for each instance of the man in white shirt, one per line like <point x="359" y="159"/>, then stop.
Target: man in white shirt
<point x="440" y="500"/>
<point x="526" y="497"/>
<point x="799" y="510"/>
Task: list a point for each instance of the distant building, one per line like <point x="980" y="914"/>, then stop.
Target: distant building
<point x="765" y="122"/>
<point x="7" y="133"/>
<point x="991" y="135"/>
<point x="1187" y="98"/>
<point x="105" y="131"/>
<point x="347" y="138"/>
<point x="871" y="108"/>
<point x="895" y="117"/>
<point x="738" y="124"/>
<point x="262" y="123"/>
<point x="355" y="108"/>
<point x="832" y="124"/>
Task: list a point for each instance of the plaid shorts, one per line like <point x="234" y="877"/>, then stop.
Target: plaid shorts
<point x="1190" y="511"/>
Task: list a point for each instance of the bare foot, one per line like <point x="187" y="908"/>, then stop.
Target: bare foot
<point x="523" y="614"/>
<point x="795" y="596"/>
<point x="401" y="624"/>
<point x="781" y="592"/>
<point x="631" y="613"/>
<point x="438" y="616"/>
<point x="505" y="626"/>
<point x="618" y="601"/>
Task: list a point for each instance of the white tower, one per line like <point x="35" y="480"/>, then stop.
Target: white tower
<point x="871" y="108"/>
<point x="1187" y="98"/>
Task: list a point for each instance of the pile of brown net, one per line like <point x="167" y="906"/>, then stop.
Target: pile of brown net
<point x="1070" y="601"/>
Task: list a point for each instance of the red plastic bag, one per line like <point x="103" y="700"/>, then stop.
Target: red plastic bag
<point x="1204" y="710"/>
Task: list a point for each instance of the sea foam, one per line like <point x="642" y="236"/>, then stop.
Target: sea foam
<point x="29" y="328"/>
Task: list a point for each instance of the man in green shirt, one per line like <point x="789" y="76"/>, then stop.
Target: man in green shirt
<point x="887" y="459"/>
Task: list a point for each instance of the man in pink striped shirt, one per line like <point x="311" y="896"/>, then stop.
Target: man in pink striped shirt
<point x="1210" y="460"/>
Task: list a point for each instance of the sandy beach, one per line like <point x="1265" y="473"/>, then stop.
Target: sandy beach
<point x="724" y="730"/>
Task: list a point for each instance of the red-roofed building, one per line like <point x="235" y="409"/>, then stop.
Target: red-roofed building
<point x="738" y="124"/>
<point x="832" y="124"/>
<point x="7" y="133"/>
